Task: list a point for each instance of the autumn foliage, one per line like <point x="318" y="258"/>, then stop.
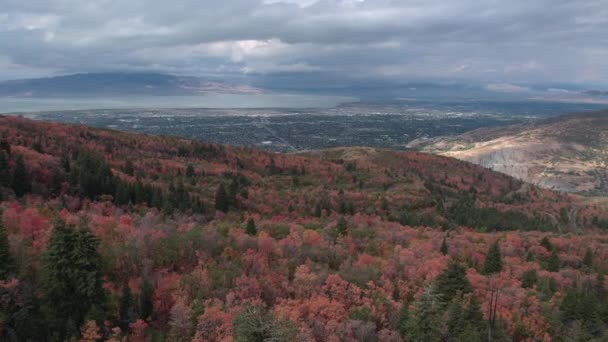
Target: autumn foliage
<point x="145" y="238"/>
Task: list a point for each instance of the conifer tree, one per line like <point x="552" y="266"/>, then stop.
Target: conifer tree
<point x="342" y="226"/>
<point x="455" y="319"/>
<point x="493" y="262"/>
<point x="7" y="263"/>
<point x="71" y="277"/>
<point x="21" y="179"/>
<point x="402" y="321"/>
<point x="126" y="310"/>
<point x="473" y="317"/>
<point x="444" y="247"/>
<point x="129" y="167"/>
<point x="145" y="299"/>
<point x="221" y="199"/>
<point x="452" y="282"/>
<point x="423" y="326"/>
<point x="588" y="259"/>
<point x="251" y="229"/>
<point x="553" y="263"/>
<point x="5" y="177"/>
<point x="546" y="243"/>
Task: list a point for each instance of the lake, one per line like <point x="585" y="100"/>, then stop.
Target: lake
<point x="23" y="104"/>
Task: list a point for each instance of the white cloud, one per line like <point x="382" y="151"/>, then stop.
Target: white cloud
<point x="506" y="88"/>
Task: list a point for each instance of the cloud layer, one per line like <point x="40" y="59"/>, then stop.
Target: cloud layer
<point x="492" y="41"/>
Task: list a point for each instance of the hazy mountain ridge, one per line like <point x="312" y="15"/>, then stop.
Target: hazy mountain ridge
<point x="123" y="84"/>
<point x="568" y="153"/>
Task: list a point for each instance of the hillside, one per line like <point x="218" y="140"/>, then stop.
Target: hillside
<point x="569" y="153"/>
<point x="159" y="238"/>
<point x="118" y="84"/>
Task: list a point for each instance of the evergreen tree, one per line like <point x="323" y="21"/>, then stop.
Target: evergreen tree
<point x="129" y="167"/>
<point x="71" y="277"/>
<point x="402" y="320"/>
<point x="469" y="334"/>
<point x="145" y="299"/>
<point x="93" y="175"/>
<point x="342" y="226"/>
<point x="122" y="196"/>
<point x="423" y="326"/>
<point x="473" y="317"/>
<point x="529" y="278"/>
<point x="546" y="243"/>
<point x="189" y="170"/>
<point x="588" y="259"/>
<point x="5" y="177"/>
<point x="221" y="199"/>
<point x="28" y="320"/>
<point x="7" y="264"/>
<point x="493" y="262"/>
<point x="251" y="229"/>
<point x="318" y="210"/>
<point x="553" y="263"/>
<point x="126" y="310"/>
<point x="444" y="247"/>
<point x="57" y="180"/>
<point x="21" y="179"/>
<point x="452" y="282"/>
<point x="455" y="320"/>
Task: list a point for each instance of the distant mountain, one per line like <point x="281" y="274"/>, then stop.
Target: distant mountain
<point x="568" y="153"/>
<point x="123" y="84"/>
<point x="596" y="92"/>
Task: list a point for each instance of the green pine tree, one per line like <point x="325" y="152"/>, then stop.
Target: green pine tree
<point x="553" y="263"/>
<point x="21" y="179"/>
<point x="221" y="199"/>
<point x="423" y="326"/>
<point x="546" y="243"/>
<point x="250" y="229"/>
<point x="588" y="259"/>
<point x="145" y="299"/>
<point x="342" y="226"/>
<point x="452" y="282"/>
<point x="7" y="263"/>
<point x="473" y="317"/>
<point x="529" y="279"/>
<point x="493" y="262"/>
<point x="126" y="311"/>
<point x="455" y="319"/>
<point x="444" y="247"/>
<point x="71" y="277"/>
<point x="129" y="168"/>
<point x="318" y="210"/>
<point x="5" y="177"/>
<point x="402" y="321"/>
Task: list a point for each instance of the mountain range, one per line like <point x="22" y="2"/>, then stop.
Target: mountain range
<point x="119" y="84"/>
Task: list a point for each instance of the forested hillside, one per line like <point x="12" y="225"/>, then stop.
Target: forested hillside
<point x="117" y="236"/>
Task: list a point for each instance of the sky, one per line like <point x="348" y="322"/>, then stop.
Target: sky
<point x="503" y="45"/>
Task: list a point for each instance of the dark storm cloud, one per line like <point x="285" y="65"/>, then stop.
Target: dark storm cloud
<point x="486" y="41"/>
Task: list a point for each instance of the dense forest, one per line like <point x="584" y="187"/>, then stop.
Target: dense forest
<point x="113" y="236"/>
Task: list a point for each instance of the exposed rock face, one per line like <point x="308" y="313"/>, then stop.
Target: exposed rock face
<point x="569" y="153"/>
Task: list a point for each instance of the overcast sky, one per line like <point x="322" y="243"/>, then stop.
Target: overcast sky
<point x="501" y="43"/>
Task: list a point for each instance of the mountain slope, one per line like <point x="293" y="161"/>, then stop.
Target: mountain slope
<point x="569" y="153"/>
<point x="143" y="237"/>
<point x="419" y="188"/>
<point x="118" y="84"/>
